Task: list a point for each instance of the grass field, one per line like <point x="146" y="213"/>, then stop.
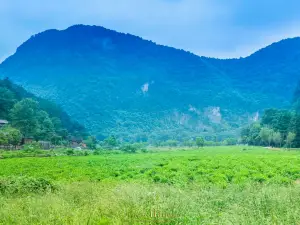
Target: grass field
<point x="214" y="185"/>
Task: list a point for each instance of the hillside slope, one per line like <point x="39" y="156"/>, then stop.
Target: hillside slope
<point x="35" y="117"/>
<point x="120" y="84"/>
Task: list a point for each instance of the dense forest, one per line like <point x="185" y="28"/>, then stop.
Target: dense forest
<point x="277" y="127"/>
<point x="35" y="118"/>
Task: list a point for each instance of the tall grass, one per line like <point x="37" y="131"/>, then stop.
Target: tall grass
<point x="131" y="203"/>
<point x="204" y="186"/>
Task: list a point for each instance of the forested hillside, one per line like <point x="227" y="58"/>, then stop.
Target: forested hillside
<point x="277" y="127"/>
<point x="31" y="117"/>
<point x="119" y="84"/>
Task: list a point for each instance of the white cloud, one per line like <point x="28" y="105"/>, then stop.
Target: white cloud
<point x="206" y="27"/>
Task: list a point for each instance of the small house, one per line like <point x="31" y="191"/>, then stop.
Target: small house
<point x="46" y="145"/>
<point x="27" y="140"/>
<point x="75" y="142"/>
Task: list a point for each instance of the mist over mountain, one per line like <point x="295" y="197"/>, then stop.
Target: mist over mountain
<point x="119" y="84"/>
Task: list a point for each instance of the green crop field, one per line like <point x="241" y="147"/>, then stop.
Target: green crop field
<point x="213" y="185"/>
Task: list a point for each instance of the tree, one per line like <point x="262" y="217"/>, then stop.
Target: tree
<point x="269" y="116"/>
<point x="296" y="130"/>
<point x="24" y="116"/>
<point x="129" y="148"/>
<point x="266" y="135"/>
<point x="9" y="135"/>
<point x="3" y="138"/>
<point x="91" y="142"/>
<point x="14" y="136"/>
<point x="251" y="135"/>
<point x="171" y="143"/>
<point x="45" y="130"/>
<point x="296" y="99"/>
<point x="277" y="138"/>
<point x="200" y="142"/>
<point x="189" y="143"/>
<point x="111" y="141"/>
<point x="7" y="100"/>
<point x="290" y="138"/>
<point x="231" y="141"/>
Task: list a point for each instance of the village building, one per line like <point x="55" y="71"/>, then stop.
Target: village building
<point x="46" y="145"/>
<point x="27" y="140"/>
<point x="75" y="142"/>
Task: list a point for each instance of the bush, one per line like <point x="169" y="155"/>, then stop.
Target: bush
<point x="70" y="152"/>
<point x="32" y="147"/>
<point x="129" y="148"/>
<point x="144" y="150"/>
<point x="25" y="185"/>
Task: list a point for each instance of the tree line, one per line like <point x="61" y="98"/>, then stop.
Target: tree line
<point x="277" y="127"/>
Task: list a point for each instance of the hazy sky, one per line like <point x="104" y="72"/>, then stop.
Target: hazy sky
<point x="216" y="28"/>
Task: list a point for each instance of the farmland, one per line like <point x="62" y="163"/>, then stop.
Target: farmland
<point x="213" y="185"/>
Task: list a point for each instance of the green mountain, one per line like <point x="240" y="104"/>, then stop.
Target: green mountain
<point x="120" y="84"/>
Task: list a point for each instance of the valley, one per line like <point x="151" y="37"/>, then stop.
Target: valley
<point x="103" y="127"/>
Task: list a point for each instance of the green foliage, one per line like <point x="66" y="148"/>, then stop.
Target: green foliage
<point x="296" y="99"/>
<point x="166" y="96"/>
<point x="35" y="117"/>
<point x="129" y="148"/>
<point x="276" y="128"/>
<point x="25" y="185"/>
<point x="45" y="130"/>
<point x="277" y="139"/>
<point x="231" y="141"/>
<point x="171" y="143"/>
<point x="10" y="136"/>
<point x="189" y="143"/>
<point x="266" y="135"/>
<point x="160" y="204"/>
<point x="70" y="152"/>
<point x="91" y="142"/>
<point x="7" y="100"/>
<point x="24" y="117"/>
<point x="210" y="143"/>
<point x="290" y="138"/>
<point x="200" y="142"/>
<point x="32" y="147"/>
<point x="111" y="142"/>
<point x="219" y="166"/>
<point x="3" y="138"/>
<point x="180" y="187"/>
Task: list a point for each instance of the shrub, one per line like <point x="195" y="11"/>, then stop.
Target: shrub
<point x="129" y="148"/>
<point x="32" y="147"/>
<point x="97" y="152"/>
<point x="144" y="150"/>
<point x="25" y="185"/>
<point x="70" y="152"/>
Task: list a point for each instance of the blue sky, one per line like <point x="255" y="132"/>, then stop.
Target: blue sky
<point x="215" y="28"/>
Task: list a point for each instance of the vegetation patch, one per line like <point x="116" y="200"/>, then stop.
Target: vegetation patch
<point x="25" y="185"/>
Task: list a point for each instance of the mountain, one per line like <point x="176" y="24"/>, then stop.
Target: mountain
<point x="120" y="84"/>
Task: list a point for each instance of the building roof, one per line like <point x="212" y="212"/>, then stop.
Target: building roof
<point x="3" y="122"/>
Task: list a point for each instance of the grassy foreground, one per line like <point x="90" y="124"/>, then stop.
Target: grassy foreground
<point x="211" y="186"/>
